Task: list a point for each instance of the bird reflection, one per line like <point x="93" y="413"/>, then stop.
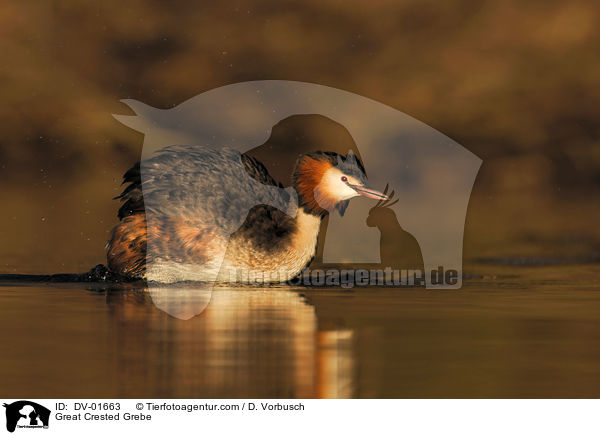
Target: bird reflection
<point x="398" y="248"/>
<point x="245" y="343"/>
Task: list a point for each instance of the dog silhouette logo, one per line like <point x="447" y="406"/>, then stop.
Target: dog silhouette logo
<point x="26" y="414"/>
<point x="274" y="122"/>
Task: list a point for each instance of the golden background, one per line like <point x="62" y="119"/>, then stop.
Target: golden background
<point x="517" y="83"/>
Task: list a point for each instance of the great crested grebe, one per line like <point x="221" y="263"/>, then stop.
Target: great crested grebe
<point x="216" y="214"/>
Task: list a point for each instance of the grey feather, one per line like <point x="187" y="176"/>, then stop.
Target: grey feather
<point x="212" y="185"/>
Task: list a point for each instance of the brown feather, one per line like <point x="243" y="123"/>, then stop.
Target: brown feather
<point x="127" y="247"/>
<point x="174" y="239"/>
<point x="307" y="176"/>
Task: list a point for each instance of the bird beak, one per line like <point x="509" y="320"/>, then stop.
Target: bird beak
<point x="368" y="192"/>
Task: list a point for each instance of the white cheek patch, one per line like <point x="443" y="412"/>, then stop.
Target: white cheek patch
<point x="336" y="188"/>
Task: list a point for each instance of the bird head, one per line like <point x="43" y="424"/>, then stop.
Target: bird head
<point x="326" y="181"/>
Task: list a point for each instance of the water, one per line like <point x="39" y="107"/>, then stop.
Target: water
<point x="509" y="332"/>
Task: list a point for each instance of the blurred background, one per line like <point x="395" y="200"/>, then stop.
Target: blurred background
<point x="516" y="83"/>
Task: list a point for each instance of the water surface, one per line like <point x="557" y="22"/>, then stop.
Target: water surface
<point x="510" y="332"/>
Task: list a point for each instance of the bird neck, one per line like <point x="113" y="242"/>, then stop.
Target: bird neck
<point x="305" y="236"/>
<point x="307" y="177"/>
<point x="307" y="204"/>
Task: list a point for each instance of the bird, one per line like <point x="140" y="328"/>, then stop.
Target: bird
<point x="195" y="213"/>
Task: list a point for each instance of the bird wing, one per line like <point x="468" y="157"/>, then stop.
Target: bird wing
<point x="209" y="187"/>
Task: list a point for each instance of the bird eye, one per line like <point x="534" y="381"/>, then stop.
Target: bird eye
<point x="344" y="179"/>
